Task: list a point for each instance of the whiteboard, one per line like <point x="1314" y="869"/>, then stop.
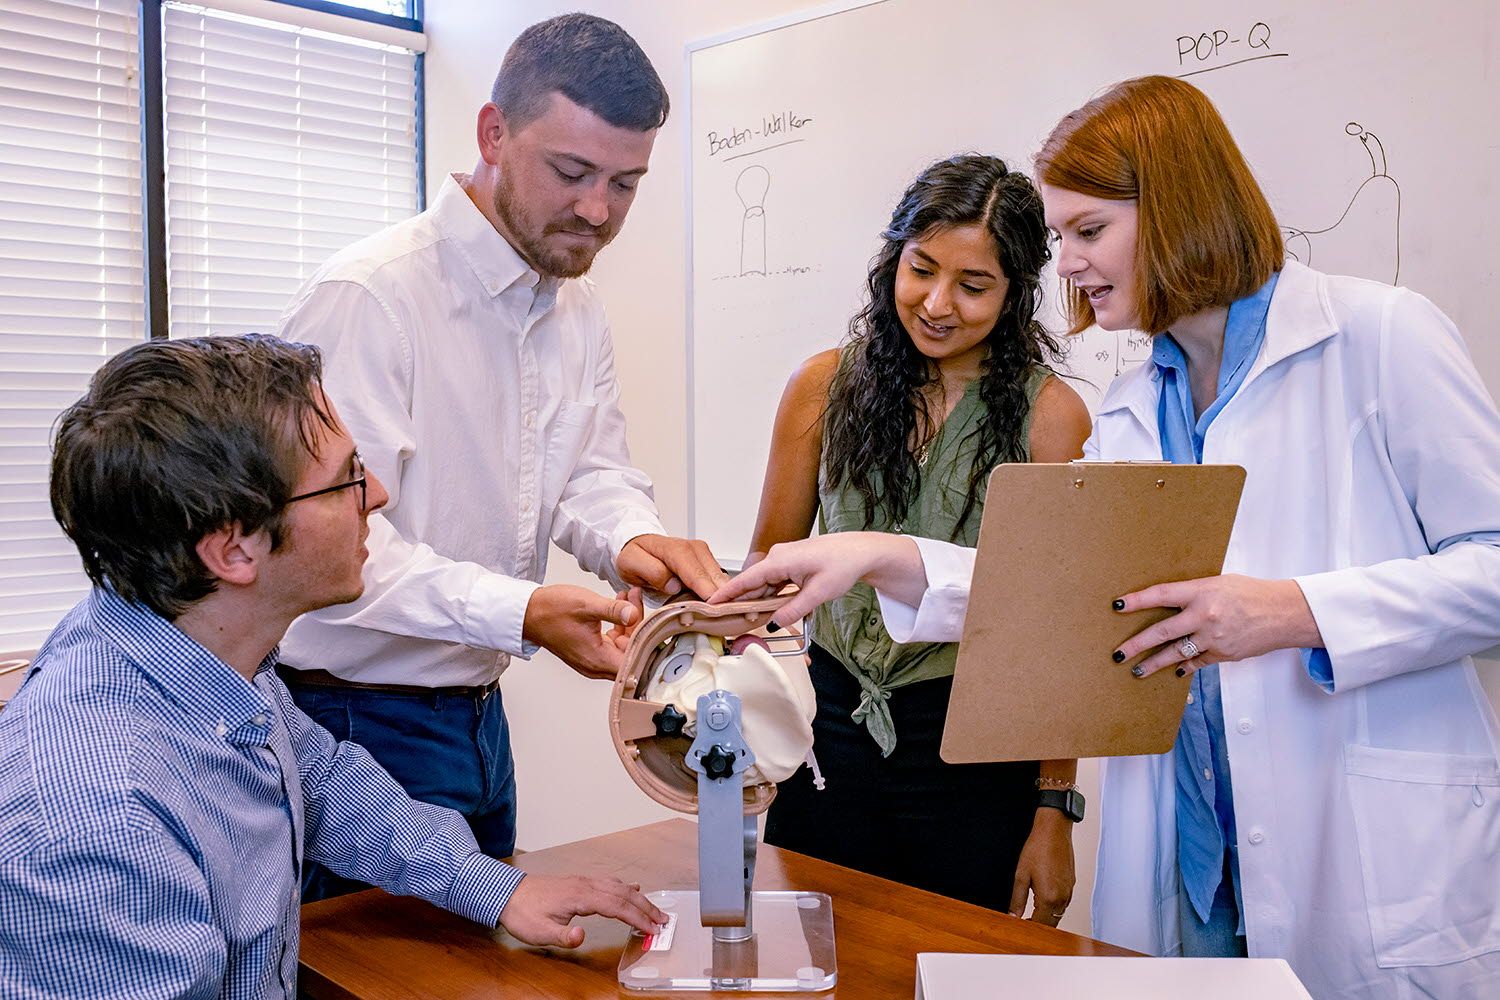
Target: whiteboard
<point x="1369" y="126"/>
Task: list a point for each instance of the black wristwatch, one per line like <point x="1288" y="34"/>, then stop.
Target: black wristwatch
<point x="1070" y="801"/>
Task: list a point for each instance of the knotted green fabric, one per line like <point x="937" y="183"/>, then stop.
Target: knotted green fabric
<point x="851" y="628"/>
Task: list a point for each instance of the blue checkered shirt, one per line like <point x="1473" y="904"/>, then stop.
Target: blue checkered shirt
<point x="155" y="810"/>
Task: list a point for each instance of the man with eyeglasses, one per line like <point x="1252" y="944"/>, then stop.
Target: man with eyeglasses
<point x="159" y="790"/>
<point x="473" y="362"/>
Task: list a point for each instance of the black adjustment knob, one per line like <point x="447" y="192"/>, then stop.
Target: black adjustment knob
<point x="669" y="722"/>
<point x="718" y="762"/>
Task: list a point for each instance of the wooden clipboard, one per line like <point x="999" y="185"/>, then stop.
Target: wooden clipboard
<point x="1034" y="678"/>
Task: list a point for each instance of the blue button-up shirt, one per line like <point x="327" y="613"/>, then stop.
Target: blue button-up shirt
<point x="1205" y="806"/>
<point x="155" y="808"/>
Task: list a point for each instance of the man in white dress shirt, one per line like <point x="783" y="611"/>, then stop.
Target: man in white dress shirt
<point x="472" y="362"/>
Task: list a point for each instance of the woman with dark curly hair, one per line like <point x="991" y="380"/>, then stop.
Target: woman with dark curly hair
<point x="943" y="376"/>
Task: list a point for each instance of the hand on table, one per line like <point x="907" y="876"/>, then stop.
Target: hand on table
<point x="1045" y="869"/>
<point x="567" y="620"/>
<point x="540" y="910"/>
<point x="1220" y="618"/>
<point x="665" y="565"/>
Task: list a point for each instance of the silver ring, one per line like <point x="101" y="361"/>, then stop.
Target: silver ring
<point x="1187" y="647"/>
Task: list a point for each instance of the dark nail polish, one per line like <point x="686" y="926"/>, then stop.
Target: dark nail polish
<point x="1138" y="670"/>
<point x="1119" y="656"/>
<point x="1119" y="604"/>
<point x="773" y="627"/>
<point x="1182" y="671"/>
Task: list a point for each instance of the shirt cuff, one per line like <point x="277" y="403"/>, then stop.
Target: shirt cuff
<point x="1319" y="666"/>
<point x="496" y="614"/>
<point x="940" y="615"/>
<point x="626" y="532"/>
<point x="482" y="889"/>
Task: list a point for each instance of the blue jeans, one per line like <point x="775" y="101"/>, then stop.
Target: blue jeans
<point x="1220" y="937"/>
<point x="448" y="750"/>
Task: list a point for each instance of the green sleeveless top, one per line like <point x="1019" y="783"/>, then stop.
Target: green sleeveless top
<point x="851" y="627"/>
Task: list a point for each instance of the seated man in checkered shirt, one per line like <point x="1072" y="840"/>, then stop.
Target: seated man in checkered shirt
<point x="159" y="791"/>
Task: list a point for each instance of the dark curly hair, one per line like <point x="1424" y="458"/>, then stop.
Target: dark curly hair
<point x="876" y="408"/>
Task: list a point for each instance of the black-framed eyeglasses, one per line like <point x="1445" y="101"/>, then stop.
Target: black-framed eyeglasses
<point x="360" y="479"/>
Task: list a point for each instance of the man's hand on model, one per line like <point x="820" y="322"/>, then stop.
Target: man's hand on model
<point x="568" y="621"/>
<point x="665" y="565"/>
<point x="619" y="635"/>
<point x="540" y="910"/>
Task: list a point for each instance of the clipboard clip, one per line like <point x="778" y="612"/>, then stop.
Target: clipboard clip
<point x="1078" y="483"/>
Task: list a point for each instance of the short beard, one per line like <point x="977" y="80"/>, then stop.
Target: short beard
<point x="546" y="262"/>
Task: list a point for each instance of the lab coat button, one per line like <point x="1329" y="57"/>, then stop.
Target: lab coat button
<point x="1257" y="837"/>
<point x="1245" y="726"/>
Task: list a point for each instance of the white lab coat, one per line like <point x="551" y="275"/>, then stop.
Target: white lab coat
<point x="1368" y="818"/>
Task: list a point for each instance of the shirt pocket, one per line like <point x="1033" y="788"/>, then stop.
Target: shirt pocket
<point x="1428" y="831"/>
<point x="566" y="440"/>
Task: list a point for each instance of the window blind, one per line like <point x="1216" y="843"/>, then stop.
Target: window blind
<point x="71" y="288"/>
<point x="283" y="145"/>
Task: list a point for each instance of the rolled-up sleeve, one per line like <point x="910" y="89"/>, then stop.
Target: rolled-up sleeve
<point x="939" y="617"/>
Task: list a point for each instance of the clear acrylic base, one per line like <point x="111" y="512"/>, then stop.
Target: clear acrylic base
<point x="790" y="949"/>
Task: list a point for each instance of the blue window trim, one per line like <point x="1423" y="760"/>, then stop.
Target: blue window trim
<point x="153" y="171"/>
<point x="153" y="139"/>
<point x="411" y="23"/>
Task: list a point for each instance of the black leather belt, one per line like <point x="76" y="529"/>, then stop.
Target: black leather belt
<point x="293" y="677"/>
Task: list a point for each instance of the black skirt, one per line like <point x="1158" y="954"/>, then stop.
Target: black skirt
<point x="953" y="829"/>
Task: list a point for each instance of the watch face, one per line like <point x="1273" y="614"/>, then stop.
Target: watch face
<point x="1075" y="805"/>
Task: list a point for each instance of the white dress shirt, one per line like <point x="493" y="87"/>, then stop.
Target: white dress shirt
<point x="485" y="399"/>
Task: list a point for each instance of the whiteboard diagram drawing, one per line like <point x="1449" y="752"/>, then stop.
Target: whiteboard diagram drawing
<point x="1373" y="248"/>
<point x="751" y="185"/>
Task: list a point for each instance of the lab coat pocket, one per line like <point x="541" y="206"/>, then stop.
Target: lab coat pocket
<point x="1428" y="830"/>
<point x="566" y="441"/>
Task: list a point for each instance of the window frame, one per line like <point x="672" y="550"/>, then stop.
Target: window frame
<point x="151" y="75"/>
<point x="153" y="138"/>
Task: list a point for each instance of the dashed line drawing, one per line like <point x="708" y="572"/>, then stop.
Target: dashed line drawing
<point x="751" y="185"/>
<point x="1300" y="243"/>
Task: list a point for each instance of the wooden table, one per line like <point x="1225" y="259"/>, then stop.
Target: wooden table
<point x="372" y="946"/>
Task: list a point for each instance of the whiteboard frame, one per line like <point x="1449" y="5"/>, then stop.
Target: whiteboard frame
<point x="692" y="49"/>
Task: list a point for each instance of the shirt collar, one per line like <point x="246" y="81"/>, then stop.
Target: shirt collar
<point x="493" y="260"/>
<point x="207" y="688"/>
<point x="1300" y="316"/>
<point x="1242" y="336"/>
